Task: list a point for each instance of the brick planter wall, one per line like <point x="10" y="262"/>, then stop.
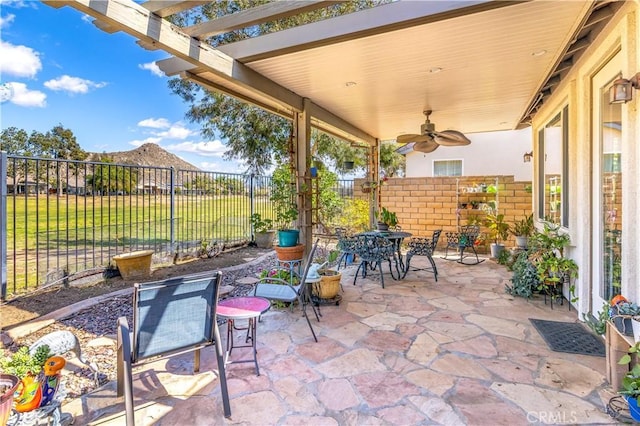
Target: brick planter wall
<point x="429" y="203"/>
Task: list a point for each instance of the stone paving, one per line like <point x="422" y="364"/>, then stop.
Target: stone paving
<point x="459" y="351"/>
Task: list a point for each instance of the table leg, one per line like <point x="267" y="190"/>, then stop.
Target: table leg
<point x="251" y="335"/>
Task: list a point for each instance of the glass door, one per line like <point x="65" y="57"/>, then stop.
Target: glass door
<point x="607" y="189"/>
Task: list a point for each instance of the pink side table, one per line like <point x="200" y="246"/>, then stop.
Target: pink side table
<point x="241" y="308"/>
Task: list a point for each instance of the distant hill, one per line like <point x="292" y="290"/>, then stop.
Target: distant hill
<point x="149" y="154"/>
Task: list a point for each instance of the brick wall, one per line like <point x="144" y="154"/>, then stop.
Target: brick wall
<point x="429" y="203"/>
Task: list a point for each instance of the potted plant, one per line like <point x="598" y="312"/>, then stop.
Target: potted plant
<point x="631" y="381"/>
<point x="622" y="314"/>
<point x="263" y="231"/>
<point x="8" y="385"/>
<point x="547" y="254"/>
<point x="329" y="285"/>
<point x="498" y="232"/>
<point x="522" y="230"/>
<point x="386" y="219"/>
<point x="286" y="210"/>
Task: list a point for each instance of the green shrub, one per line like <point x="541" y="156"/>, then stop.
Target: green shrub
<point x="355" y="216"/>
<point x="525" y="277"/>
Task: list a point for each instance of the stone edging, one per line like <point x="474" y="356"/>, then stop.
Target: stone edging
<point x="231" y="274"/>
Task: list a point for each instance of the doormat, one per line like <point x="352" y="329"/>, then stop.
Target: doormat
<point x="569" y="337"/>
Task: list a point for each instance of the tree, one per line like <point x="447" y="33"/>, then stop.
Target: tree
<point x="111" y="178"/>
<point x="258" y="137"/>
<point x="58" y="143"/>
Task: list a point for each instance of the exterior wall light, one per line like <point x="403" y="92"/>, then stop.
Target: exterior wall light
<point x="621" y="91"/>
<point x="527" y="157"/>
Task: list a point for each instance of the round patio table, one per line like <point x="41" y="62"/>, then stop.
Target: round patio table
<point x="241" y="308"/>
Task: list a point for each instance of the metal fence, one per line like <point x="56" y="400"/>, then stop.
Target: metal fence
<point x="63" y="218"/>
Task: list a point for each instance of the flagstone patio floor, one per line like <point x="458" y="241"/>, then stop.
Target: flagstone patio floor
<point x="461" y="351"/>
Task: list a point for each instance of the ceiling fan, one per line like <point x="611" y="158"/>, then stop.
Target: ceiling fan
<point x="429" y="140"/>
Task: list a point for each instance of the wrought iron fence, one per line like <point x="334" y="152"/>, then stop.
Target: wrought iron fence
<point x="62" y="218"/>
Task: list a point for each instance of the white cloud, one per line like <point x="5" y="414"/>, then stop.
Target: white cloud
<point x="206" y="149"/>
<point x="19" y="61"/>
<point x="147" y="140"/>
<point x="151" y="66"/>
<point x="18" y="4"/>
<point x="155" y="123"/>
<point x="4" y="21"/>
<point x="72" y="84"/>
<point x="22" y="96"/>
<point x="177" y="131"/>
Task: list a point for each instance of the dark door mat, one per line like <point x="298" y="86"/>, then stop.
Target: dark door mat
<point x="569" y="337"/>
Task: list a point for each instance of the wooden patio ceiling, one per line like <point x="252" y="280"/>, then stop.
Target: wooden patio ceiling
<point x="479" y="65"/>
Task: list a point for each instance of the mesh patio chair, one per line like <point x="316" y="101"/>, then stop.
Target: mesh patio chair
<point x="373" y="251"/>
<point x="423" y="247"/>
<point x="461" y="241"/>
<point x="287" y="291"/>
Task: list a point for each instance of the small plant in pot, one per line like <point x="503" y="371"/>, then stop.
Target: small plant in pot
<point x="329" y="285"/>
<point x="622" y="313"/>
<point x="286" y="210"/>
<point x="547" y="254"/>
<point x="631" y="381"/>
<point x="498" y="231"/>
<point x="522" y="230"/>
<point x="263" y="231"/>
<point x="386" y="219"/>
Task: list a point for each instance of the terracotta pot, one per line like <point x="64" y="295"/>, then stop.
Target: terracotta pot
<point x="290" y="253"/>
<point x="136" y="264"/>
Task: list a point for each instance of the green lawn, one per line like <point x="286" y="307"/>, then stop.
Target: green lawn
<point x="74" y="233"/>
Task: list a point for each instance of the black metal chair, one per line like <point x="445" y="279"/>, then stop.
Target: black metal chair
<point x="373" y="251"/>
<point x="346" y="244"/>
<point x="461" y="241"/>
<point x="423" y="247"/>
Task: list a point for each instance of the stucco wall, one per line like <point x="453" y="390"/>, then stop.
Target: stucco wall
<point x="489" y="153"/>
<point x="576" y="90"/>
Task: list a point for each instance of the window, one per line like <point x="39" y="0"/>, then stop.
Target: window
<point x="447" y="168"/>
<point x="553" y="146"/>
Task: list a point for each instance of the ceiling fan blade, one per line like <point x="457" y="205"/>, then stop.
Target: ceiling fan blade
<point x="451" y="138"/>
<point x="426" y="146"/>
<point x="408" y="138"/>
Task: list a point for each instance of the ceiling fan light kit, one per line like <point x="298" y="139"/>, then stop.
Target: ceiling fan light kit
<point x="429" y="139"/>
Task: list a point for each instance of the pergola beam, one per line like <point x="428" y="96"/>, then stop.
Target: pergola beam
<point x="369" y="22"/>
<point x="164" y="8"/>
<point x="228" y="74"/>
<point x="255" y="15"/>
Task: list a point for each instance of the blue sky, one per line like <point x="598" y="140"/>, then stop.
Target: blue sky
<point x="62" y="69"/>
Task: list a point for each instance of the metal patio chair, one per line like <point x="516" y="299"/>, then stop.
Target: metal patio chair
<point x="461" y="241"/>
<point x="373" y="251"/>
<point x="423" y="247"/>
<point x="287" y="291"/>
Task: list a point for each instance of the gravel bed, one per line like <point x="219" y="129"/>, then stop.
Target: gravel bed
<point x="95" y="328"/>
